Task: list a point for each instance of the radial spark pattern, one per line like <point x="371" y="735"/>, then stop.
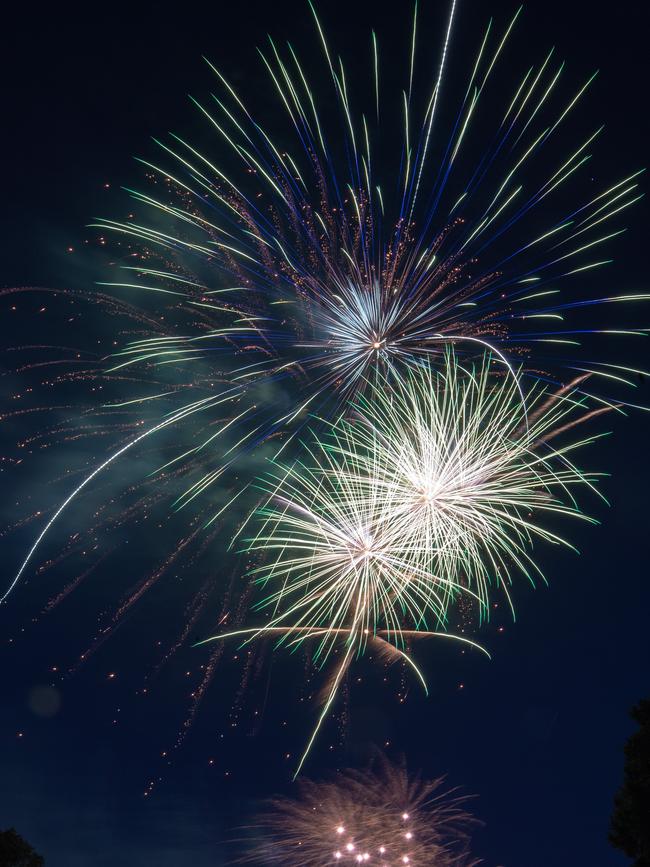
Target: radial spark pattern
<point x="290" y="255"/>
<point x="428" y="489"/>
<point x="381" y="817"/>
<point x="302" y="252"/>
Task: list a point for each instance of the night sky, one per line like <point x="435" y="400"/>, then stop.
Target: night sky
<point x="536" y="734"/>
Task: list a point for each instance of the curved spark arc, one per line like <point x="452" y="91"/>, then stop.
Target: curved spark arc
<point x="257" y="632"/>
<point x="436" y="93"/>
<point x="98" y="469"/>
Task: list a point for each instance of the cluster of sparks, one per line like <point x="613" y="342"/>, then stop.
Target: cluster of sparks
<point x="379" y="817"/>
<point x="426" y="491"/>
<point x="296" y="285"/>
<point x="414" y="325"/>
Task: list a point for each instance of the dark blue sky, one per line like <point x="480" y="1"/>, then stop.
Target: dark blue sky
<point x="537" y="733"/>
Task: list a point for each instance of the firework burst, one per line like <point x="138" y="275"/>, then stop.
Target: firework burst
<point x="382" y="816"/>
<point x="464" y="469"/>
<point x="317" y="271"/>
<point x="304" y="271"/>
<point x="305" y="256"/>
<point x="420" y="494"/>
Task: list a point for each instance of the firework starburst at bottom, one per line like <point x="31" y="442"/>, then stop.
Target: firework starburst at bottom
<point x="380" y="816"/>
